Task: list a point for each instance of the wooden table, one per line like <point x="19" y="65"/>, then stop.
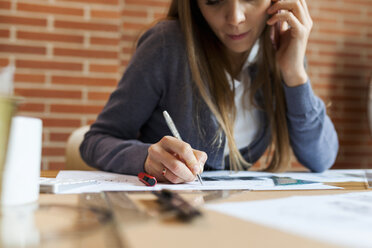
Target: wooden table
<point x="211" y="230"/>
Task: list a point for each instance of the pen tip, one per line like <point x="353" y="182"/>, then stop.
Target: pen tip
<point x="200" y="179"/>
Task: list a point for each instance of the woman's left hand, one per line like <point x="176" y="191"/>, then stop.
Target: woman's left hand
<point x="295" y="26"/>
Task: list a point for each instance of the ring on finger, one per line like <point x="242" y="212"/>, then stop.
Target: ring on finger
<point x="164" y="171"/>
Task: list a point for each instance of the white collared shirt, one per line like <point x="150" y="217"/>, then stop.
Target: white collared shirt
<point x="246" y="122"/>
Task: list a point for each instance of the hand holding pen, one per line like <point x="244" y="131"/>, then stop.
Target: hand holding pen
<point x="174" y="160"/>
<point x="176" y="134"/>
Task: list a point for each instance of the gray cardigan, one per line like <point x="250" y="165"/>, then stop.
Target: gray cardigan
<point x="158" y="78"/>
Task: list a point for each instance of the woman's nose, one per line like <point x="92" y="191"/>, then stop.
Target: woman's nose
<point x="235" y="13"/>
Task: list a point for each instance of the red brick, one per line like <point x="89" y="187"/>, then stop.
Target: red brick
<point x="340" y="76"/>
<point x="91" y="81"/>
<point x="160" y="15"/>
<point x="352" y="142"/>
<point x="152" y="3"/>
<point x="22" y="49"/>
<point x="133" y="13"/>
<point x="359" y="24"/>
<point x="90" y="121"/>
<point x="353" y="111"/>
<point x="338" y="121"/>
<point x="56" y="165"/>
<point x="359" y="2"/>
<point x="53" y="151"/>
<point x="319" y="63"/>
<point x="98" y="95"/>
<point x="346" y="165"/>
<point x="355" y="132"/>
<point x="358" y="44"/>
<point x="31" y="107"/>
<point x="4" y="33"/>
<point x="340" y="32"/>
<point x="103" y="68"/>
<point x="5" y="4"/>
<point x="90" y="26"/>
<point x="327" y="86"/>
<point x="352" y="87"/>
<point x="358" y="153"/>
<point x="103" y="2"/>
<point x="49" y="65"/>
<point x="85" y="53"/>
<point x="105" y="14"/>
<point x="358" y="66"/>
<point x="124" y="62"/>
<point x="16" y="20"/>
<point x="128" y="50"/>
<point x="29" y="78"/>
<point x="75" y="109"/>
<point x="321" y="19"/>
<point x="59" y="136"/>
<point x="59" y="122"/>
<point x="46" y="93"/>
<point x="3" y="62"/>
<point x="48" y="9"/>
<point x="340" y="54"/>
<point x="134" y="26"/>
<point x="313" y="41"/>
<point x="130" y="38"/>
<point x="104" y="41"/>
<point x="28" y="35"/>
<point x="343" y="11"/>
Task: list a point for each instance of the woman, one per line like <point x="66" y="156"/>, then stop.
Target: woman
<point x="232" y="89"/>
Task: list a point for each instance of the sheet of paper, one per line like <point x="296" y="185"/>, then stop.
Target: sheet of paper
<point x="330" y="176"/>
<point x="369" y="177"/>
<point x="216" y="180"/>
<point x="342" y="219"/>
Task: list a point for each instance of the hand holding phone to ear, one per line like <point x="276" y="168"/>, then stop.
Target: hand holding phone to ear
<point x="275" y="35"/>
<point x="292" y="25"/>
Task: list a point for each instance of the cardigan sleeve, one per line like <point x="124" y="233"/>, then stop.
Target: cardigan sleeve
<point x="112" y="142"/>
<point x="312" y="135"/>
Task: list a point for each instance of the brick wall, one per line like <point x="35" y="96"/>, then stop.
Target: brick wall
<point x="70" y="54"/>
<point x="66" y="54"/>
<point x="340" y="65"/>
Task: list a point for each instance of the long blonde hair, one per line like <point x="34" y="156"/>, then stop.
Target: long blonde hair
<point x="208" y="63"/>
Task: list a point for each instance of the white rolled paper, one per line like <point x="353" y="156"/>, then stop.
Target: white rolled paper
<point x="22" y="166"/>
<point x="6" y="79"/>
<point x="370" y="105"/>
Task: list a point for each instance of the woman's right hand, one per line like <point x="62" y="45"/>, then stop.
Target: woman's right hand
<point x="174" y="160"/>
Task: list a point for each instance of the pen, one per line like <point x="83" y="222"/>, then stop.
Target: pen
<point x="176" y="134"/>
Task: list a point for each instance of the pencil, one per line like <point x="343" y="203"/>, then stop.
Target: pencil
<point x="176" y="134"/>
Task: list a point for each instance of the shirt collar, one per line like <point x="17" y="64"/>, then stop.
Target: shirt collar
<point x="252" y="55"/>
<point x="251" y="59"/>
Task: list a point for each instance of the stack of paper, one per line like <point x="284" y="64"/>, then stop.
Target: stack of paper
<point x="341" y="219"/>
<point x="216" y="180"/>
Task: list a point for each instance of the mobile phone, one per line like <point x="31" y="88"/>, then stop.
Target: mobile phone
<point x="275" y="34"/>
